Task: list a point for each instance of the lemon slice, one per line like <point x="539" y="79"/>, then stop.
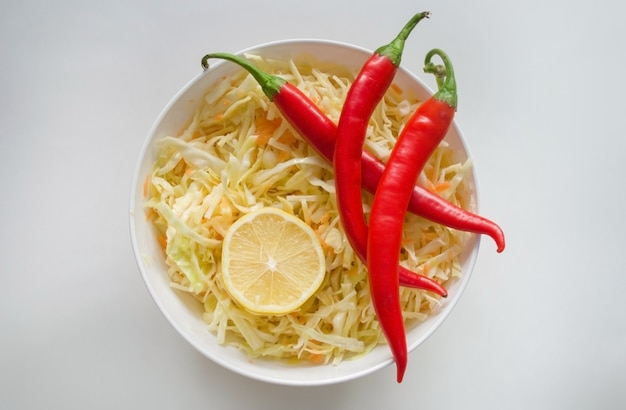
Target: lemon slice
<point x="272" y="262"/>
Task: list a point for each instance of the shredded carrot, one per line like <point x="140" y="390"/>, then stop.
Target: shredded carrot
<point x="324" y="244"/>
<point x="265" y="129"/>
<point x="396" y="88"/>
<point x="318" y="232"/>
<point x="298" y="318"/>
<point x="429" y="235"/>
<point x="149" y="213"/>
<point x="442" y="186"/>
<point x="146" y="184"/>
<point x="317" y="358"/>
<point x="162" y="241"/>
<point x="430" y="186"/>
<point x="284" y="156"/>
<point x="287" y="137"/>
<point x="219" y="117"/>
<point x="408" y="242"/>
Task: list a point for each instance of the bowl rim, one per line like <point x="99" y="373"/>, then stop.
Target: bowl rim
<point x="451" y="302"/>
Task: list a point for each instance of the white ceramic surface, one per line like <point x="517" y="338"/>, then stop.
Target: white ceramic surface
<point x="184" y="313"/>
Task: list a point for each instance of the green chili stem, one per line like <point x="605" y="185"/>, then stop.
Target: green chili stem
<point x="446" y="82"/>
<point x="394" y="49"/>
<point x="270" y="84"/>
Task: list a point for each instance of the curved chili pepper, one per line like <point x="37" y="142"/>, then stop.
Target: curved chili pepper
<point x="366" y="91"/>
<point x="319" y="131"/>
<point x="416" y="142"/>
<point x="431" y="206"/>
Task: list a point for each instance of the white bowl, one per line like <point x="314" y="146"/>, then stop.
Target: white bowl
<point x="185" y="313"/>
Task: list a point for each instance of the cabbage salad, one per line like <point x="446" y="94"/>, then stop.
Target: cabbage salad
<point x="238" y="154"/>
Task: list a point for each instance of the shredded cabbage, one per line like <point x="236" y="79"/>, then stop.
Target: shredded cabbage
<point x="238" y="155"/>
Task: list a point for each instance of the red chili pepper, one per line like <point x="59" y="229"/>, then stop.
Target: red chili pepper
<point x="431" y="206"/>
<point x="366" y="91"/>
<point x="319" y="131"/>
<point x="417" y="141"/>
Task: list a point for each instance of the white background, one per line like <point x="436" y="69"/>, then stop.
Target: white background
<point x="541" y="86"/>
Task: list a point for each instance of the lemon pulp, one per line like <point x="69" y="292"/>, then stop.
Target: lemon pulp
<point x="272" y="261"/>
